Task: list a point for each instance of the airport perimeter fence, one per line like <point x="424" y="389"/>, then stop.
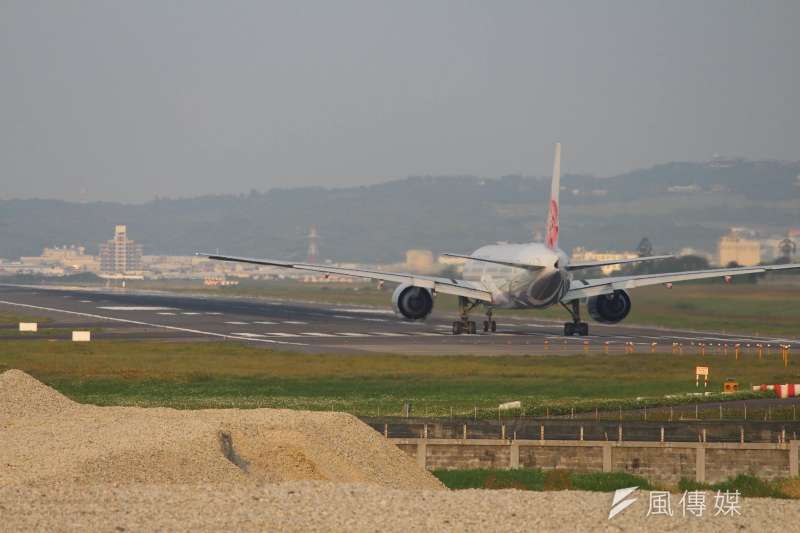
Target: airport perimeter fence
<point x="588" y="430"/>
<point x="745" y="407"/>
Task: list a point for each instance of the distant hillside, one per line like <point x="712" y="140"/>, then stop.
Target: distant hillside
<point x="379" y="222"/>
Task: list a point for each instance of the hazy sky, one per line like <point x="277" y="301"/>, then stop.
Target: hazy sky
<point x="128" y="100"/>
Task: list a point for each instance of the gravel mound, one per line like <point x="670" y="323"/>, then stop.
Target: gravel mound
<point x="49" y="439"/>
<point x="22" y="395"/>
<point x="319" y="506"/>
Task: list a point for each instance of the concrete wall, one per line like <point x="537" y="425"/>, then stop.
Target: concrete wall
<point x="661" y="462"/>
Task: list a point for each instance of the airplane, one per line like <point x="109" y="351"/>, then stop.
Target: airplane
<point x="520" y="276"/>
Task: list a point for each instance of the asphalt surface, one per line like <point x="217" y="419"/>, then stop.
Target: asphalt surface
<point x="321" y="327"/>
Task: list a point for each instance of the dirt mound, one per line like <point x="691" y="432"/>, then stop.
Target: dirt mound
<point x="124" y="445"/>
<point x="309" y="506"/>
<point x="22" y="395"/>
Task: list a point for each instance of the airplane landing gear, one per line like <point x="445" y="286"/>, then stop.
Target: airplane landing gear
<point x="464" y="324"/>
<point x="489" y="324"/>
<point x="576" y="326"/>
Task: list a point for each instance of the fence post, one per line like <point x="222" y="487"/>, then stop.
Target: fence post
<point x="741" y="434"/>
<point x="581" y="432"/>
<point x="386" y="430"/>
<point x="541" y="432"/>
<point x="619" y="432"/>
<point x="700" y="464"/>
<point x="513" y="456"/>
<point x="422" y="453"/>
<point x="662" y="433"/>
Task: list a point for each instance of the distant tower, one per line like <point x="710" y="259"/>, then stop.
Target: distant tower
<point x="313" y="246"/>
<point x="787" y="248"/>
<point x="645" y="248"/>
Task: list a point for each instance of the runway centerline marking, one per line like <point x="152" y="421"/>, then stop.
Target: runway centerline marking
<point x="141" y="323"/>
<point x="135" y="308"/>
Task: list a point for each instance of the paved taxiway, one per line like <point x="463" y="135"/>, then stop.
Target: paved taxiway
<point x="320" y="327"/>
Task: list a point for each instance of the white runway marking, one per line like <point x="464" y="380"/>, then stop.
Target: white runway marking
<point x="429" y="334"/>
<point x="354" y="334"/>
<point x="374" y="319"/>
<point x="344" y="316"/>
<point x="314" y="334"/>
<point x="141" y="323"/>
<point x="166" y="313"/>
<point x="297" y="322"/>
<point x="190" y="314"/>
<point x="86" y="301"/>
<point x="387" y="334"/>
<point x="136" y="308"/>
<point x="265" y="323"/>
<point x="253" y="335"/>
<point x="282" y="334"/>
<point x="213" y="313"/>
<point x="366" y="311"/>
<point x="237" y="323"/>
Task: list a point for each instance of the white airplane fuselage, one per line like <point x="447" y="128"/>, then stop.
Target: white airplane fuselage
<point x="541" y="286"/>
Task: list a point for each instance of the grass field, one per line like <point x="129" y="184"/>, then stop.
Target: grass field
<point x="538" y="480"/>
<point x="196" y="375"/>
<point x="745" y="308"/>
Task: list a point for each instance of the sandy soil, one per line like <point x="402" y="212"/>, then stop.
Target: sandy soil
<point x="47" y="438"/>
<point x="71" y="467"/>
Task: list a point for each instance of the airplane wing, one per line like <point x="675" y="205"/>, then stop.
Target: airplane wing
<point x="496" y="262"/>
<point x="585" y="288"/>
<point x="580" y="265"/>
<point x="457" y="287"/>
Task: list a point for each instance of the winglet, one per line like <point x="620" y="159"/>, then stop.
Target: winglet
<point x="552" y="217"/>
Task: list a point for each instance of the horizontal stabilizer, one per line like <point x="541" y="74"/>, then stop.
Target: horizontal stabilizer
<point x="495" y="261"/>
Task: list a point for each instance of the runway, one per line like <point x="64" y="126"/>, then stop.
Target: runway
<point x="325" y="327"/>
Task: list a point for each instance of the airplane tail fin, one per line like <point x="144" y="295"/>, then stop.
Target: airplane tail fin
<point x="552" y="217"/>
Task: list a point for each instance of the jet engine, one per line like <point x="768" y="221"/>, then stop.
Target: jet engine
<point x="610" y="308"/>
<point x="413" y="303"/>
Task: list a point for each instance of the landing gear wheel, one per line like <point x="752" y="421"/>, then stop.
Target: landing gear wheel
<point x="458" y="328"/>
<point x="576" y="326"/>
<point x="493" y="326"/>
<point x="485" y="326"/>
<point x="472" y="327"/>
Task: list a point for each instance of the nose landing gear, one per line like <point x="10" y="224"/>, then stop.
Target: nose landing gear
<point x="576" y="326"/>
